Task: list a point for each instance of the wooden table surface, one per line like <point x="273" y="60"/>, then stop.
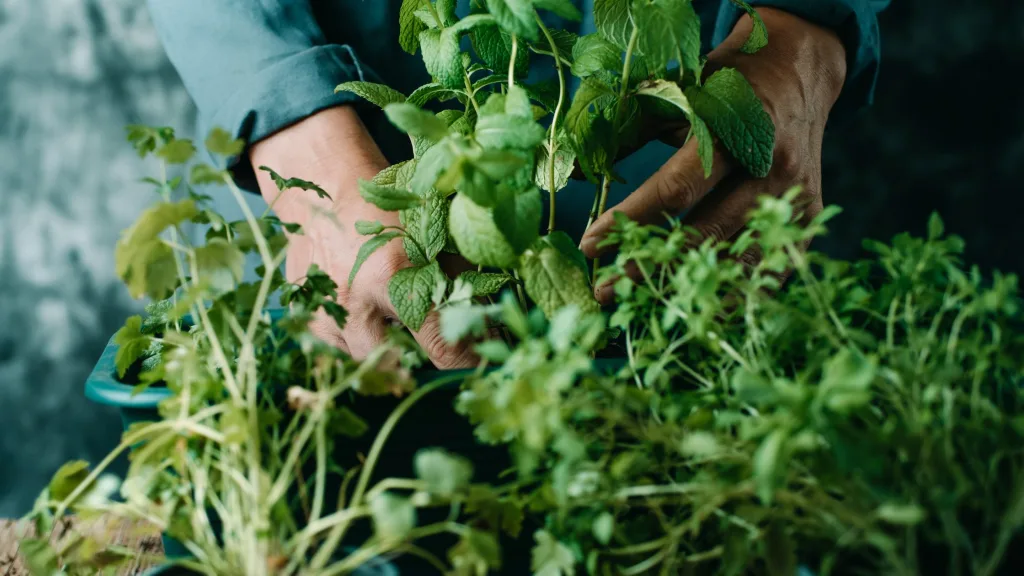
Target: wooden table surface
<point x="142" y="538"/>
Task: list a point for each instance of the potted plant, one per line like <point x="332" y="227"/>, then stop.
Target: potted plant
<point x="862" y="418"/>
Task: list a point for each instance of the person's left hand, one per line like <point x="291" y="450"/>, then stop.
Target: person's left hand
<point x="798" y="77"/>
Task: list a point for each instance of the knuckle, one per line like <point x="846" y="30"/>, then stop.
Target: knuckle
<point x="713" y="230"/>
<point x="675" y="190"/>
<point x="788" y="162"/>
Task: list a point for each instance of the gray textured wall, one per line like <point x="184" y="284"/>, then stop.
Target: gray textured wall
<point x="947" y="133"/>
<point x="72" y="74"/>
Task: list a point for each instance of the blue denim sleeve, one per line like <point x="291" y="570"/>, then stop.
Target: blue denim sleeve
<point x="856" y="23"/>
<point x="253" y="67"/>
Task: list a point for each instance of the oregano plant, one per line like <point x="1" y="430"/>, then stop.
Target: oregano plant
<point x="475" y="185"/>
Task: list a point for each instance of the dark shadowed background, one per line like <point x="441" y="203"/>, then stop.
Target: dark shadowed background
<point x="946" y="133"/>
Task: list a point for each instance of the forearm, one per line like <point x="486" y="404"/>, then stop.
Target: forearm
<point x="331" y="148"/>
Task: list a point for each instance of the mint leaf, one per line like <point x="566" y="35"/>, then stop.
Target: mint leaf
<point x="561" y="242"/>
<point x="562" y="8"/>
<point x="434" y="162"/>
<point x="219" y="141"/>
<point x="470" y="22"/>
<point x="368" y="228"/>
<point x="446" y="9"/>
<point x="409" y="291"/>
<point x="518" y="218"/>
<point x="485" y="283"/>
<point x="131" y="344"/>
<point x="670" y="93"/>
<point x="389" y="176"/>
<point x="387" y="197"/>
<point x="444" y="473"/>
<point x="592" y="54"/>
<point x="494" y="46"/>
<point x="377" y="94"/>
<point x="731" y="108"/>
<point x="141" y="259"/>
<point x="430" y="92"/>
<point x="564" y="160"/>
<point x="177" y="151"/>
<point x="409" y="26"/>
<point x="550" y="557"/>
<point x="427" y="225"/>
<point x="221" y="263"/>
<point x="393" y="516"/>
<point x="515" y="17"/>
<point x="611" y="17"/>
<point x="504" y="131"/>
<point x="554" y="280"/>
<point x="442" y="57"/>
<point x="667" y="27"/>
<point x="289" y="183"/>
<point x="477" y="236"/>
<point x="416" y="121"/>
<point x="587" y="129"/>
<point x="517" y="102"/>
<point x="368" y="248"/>
<point x="758" y="35"/>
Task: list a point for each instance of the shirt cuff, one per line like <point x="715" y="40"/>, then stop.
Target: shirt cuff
<point x="856" y="24"/>
<point x="284" y="93"/>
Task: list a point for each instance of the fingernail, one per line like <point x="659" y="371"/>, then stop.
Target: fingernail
<point x="589" y="246"/>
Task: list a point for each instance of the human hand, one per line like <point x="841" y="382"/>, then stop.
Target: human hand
<point x="798" y="77"/>
<point x="333" y="149"/>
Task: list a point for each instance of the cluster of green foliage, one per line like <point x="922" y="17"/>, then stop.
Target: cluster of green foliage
<point x="864" y="418"/>
<point x="474" y="184"/>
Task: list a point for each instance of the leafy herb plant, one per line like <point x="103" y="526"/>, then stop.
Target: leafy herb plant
<point x="864" y="418"/>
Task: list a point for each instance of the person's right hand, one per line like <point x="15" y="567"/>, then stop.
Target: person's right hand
<point x="333" y="149"/>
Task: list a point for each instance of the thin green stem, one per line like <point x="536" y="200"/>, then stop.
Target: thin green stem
<point x="553" y="133"/>
<point x="512" y="63"/>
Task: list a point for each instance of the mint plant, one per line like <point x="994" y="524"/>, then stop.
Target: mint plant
<point x="474" y="184"/>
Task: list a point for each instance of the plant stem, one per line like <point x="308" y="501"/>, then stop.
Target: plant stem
<point x="552" y="138"/>
<point x="512" y="63"/>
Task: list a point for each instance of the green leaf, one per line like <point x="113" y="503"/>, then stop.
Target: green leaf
<point x="562" y="8"/>
<point x="587" y="130"/>
<point x="377" y="94"/>
<point x="611" y="17"/>
<point x="146" y="139"/>
<point x="433" y="91"/>
<point x="67" y="478"/>
<point x="427" y="225"/>
<point x="221" y="264"/>
<point x="515" y="17"/>
<point x="475" y="553"/>
<point x="604" y="527"/>
<point x="935" y="226"/>
<point x="504" y="131"/>
<point x="177" y="151"/>
<point x="667" y="28"/>
<point x="593" y="53"/>
<point x="670" y="92"/>
<point x="445" y="474"/>
<point x="206" y="174"/>
<point x="564" y="161"/>
<point x="732" y="110"/>
<point x="553" y="280"/>
<point x="758" y="38"/>
<point x="368" y="228"/>
<point x="485" y="283"/>
<point x="409" y="26"/>
<point x="494" y="46"/>
<point x="564" y="244"/>
<point x="40" y="557"/>
<point x="517" y="102"/>
<point x="457" y="322"/>
<point x="550" y="557"/>
<point x="442" y="57"/>
<point x="477" y="236"/>
<point x="470" y="22"/>
<point x="518" y="218"/>
<point x="409" y="291"/>
<point x="141" y="259"/>
<point x="900" y="514"/>
<point x="437" y="160"/>
<point x="219" y="141"/>
<point x="388" y="197"/>
<point x="416" y="121"/>
<point x="368" y="248"/>
<point x="283" y="183"/>
<point x="768" y="461"/>
<point x="846" y="380"/>
<point x="131" y="344"/>
<point x="393" y="516"/>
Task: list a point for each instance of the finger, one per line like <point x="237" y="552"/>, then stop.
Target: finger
<point x="726" y="210"/>
<point x="676" y="186"/>
<point x="605" y="293"/>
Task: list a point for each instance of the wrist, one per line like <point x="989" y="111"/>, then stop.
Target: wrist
<point x="331" y="148"/>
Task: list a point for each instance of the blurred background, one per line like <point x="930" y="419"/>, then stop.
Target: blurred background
<point x="946" y="133"/>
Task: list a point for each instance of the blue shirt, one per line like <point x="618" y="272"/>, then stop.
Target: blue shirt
<point x="256" y="66"/>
